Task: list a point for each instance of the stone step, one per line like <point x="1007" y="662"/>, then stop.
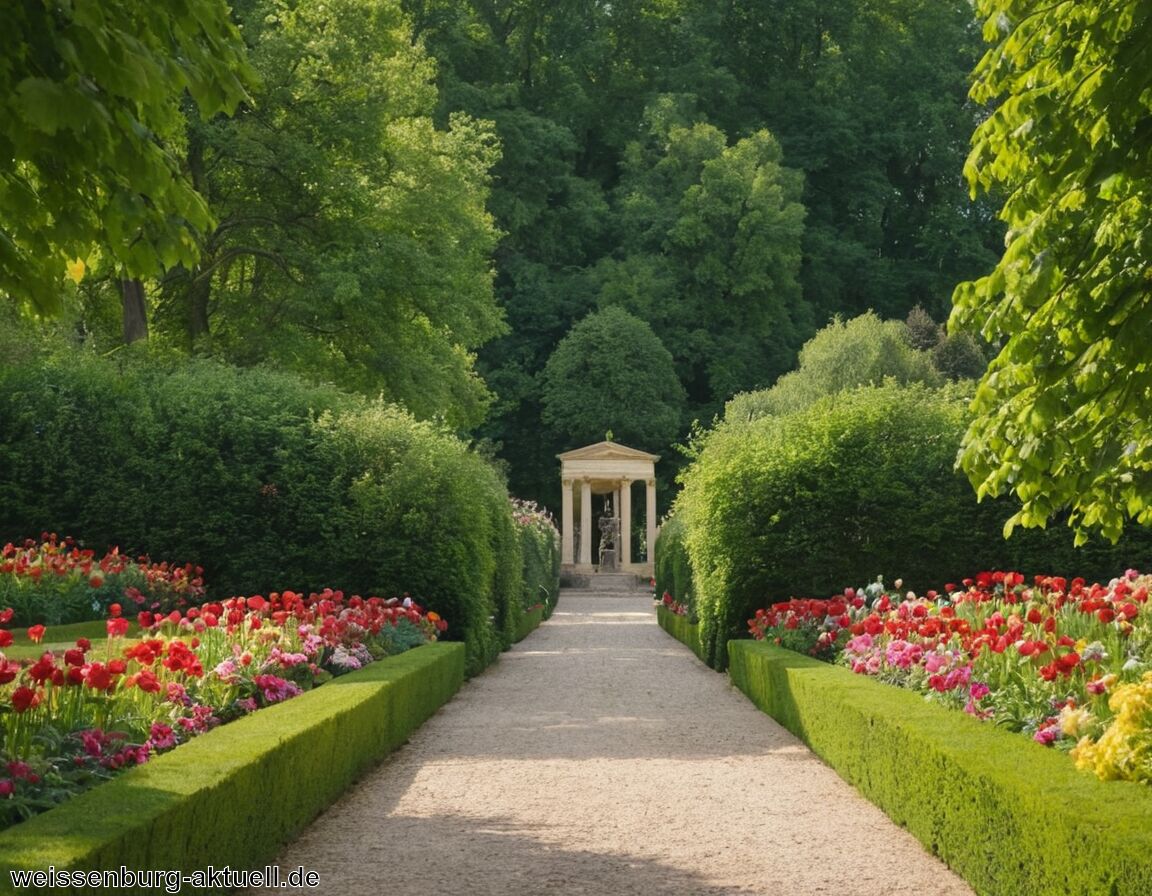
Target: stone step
<point x="605" y="581"/>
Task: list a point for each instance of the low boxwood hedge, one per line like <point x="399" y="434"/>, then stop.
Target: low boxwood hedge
<point x="1010" y="816"/>
<point x="687" y="633"/>
<point x="529" y="621"/>
<point x="236" y="795"/>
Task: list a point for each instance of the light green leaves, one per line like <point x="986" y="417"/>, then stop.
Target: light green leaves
<point x="354" y="243"/>
<point x="1063" y="414"/>
<point x="90" y="122"/>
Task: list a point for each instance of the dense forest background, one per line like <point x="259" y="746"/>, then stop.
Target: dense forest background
<point x="734" y="174"/>
<point x="542" y="221"/>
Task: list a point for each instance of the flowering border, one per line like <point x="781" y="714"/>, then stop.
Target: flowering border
<point x="1007" y="814"/>
<point x="206" y="803"/>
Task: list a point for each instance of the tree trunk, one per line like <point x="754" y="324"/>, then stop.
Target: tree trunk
<point x="199" y="291"/>
<point x="135" y="311"/>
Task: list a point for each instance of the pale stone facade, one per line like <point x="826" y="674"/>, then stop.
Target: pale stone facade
<point x="606" y="469"/>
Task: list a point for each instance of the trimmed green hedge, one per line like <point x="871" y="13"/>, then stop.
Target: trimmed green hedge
<point x="861" y="484"/>
<point x="207" y="803"/>
<point x="267" y="482"/>
<point x="1010" y="816"/>
<point x="529" y="621"/>
<point x="687" y="633"/>
<point x="541" y="566"/>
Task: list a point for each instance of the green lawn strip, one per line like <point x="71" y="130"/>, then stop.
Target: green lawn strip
<point x="59" y="638"/>
<point x="92" y="630"/>
<point x="1010" y="816"/>
<point x="681" y="629"/>
<point x="236" y="795"/>
<point x="529" y="622"/>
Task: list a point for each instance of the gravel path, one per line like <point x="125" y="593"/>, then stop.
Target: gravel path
<point x="600" y="757"/>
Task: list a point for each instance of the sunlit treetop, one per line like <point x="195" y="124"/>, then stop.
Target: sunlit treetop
<point x="90" y="121"/>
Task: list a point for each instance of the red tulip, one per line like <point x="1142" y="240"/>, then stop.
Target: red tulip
<point x="24" y="698"/>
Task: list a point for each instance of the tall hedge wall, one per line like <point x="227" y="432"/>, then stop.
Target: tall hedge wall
<point x="861" y="484"/>
<point x="673" y="570"/>
<point x="267" y="482"/>
<point x="541" y="551"/>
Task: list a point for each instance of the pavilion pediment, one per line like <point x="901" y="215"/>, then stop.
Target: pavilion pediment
<point x="609" y="451"/>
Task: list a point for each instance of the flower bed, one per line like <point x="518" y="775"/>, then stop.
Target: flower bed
<point x="235" y="796"/>
<point x="76" y="719"/>
<point x="1065" y="662"/>
<point x="54" y="581"/>
<point x="1010" y="816"/>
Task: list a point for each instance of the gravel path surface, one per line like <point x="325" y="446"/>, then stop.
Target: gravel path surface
<point x="600" y="757"/>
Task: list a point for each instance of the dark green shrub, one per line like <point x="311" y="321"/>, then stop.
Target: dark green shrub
<point x="65" y="428"/>
<point x="861" y="484"/>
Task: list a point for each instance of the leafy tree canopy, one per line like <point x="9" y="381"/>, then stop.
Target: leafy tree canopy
<point x="351" y="243"/>
<point x="611" y="372"/>
<point x="845" y="354"/>
<point x="91" y="121"/>
<point x="1063" y="410"/>
<point x="709" y="238"/>
<point x="354" y="244"/>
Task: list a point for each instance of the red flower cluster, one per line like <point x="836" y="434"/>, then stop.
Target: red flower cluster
<point x="672" y="605"/>
<point x="998" y="646"/>
<point x="56" y="569"/>
<point x="337" y="619"/>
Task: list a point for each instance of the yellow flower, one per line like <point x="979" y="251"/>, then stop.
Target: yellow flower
<point x="76" y="270"/>
<point x="1124" y="750"/>
<point x="1075" y="722"/>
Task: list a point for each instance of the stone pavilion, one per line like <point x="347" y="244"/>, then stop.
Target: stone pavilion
<point x="589" y="539"/>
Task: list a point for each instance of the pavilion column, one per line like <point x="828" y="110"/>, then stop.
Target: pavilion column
<point x="586" y="527"/>
<point x="651" y="521"/>
<point x="566" y="523"/>
<point x="625" y="523"/>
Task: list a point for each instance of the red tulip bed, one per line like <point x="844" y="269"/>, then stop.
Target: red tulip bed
<point x="71" y="719"/>
<point x="1065" y="662"/>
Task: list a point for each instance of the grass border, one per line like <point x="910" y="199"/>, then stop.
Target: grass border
<point x="1010" y="816"/>
<point x="236" y="795"/>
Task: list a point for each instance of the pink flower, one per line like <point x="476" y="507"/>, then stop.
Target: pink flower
<point x="276" y="689"/>
<point x="161" y="737"/>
